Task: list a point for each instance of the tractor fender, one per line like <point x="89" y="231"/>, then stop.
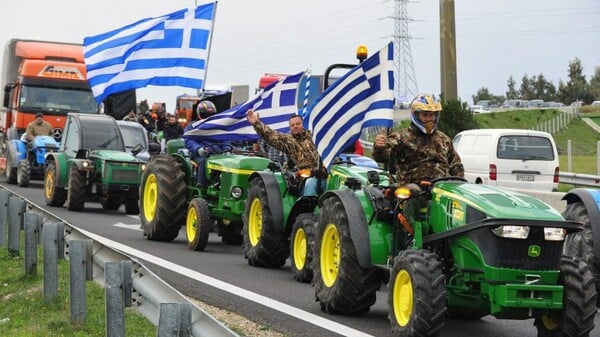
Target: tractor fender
<point x="59" y="159"/>
<point x="356" y="221"/>
<point x="18" y="150"/>
<point x="591" y="201"/>
<point x="302" y="205"/>
<point x="274" y="198"/>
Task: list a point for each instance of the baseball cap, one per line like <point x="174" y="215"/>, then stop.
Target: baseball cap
<point x="39" y="114"/>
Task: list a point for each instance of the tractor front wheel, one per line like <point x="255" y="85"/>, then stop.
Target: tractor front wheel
<point x="76" y="190"/>
<point x="23" y="173"/>
<point x="301" y="249"/>
<point x="416" y="296"/>
<point x="197" y="224"/>
<point x="579" y="303"/>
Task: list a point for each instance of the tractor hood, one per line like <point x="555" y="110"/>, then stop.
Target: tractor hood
<point x="496" y="202"/>
<point x="239" y="164"/>
<point x="114" y="155"/>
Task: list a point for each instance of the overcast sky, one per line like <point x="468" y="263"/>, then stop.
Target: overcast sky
<point x="496" y="39"/>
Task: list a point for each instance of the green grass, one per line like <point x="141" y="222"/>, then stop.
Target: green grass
<point x="24" y="313"/>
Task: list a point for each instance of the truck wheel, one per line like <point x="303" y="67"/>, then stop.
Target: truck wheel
<point x="417" y="294"/>
<point x="581" y="244"/>
<point x="197" y="224"/>
<point x="23" y="173"/>
<point x="11" y="172"/>
<point x="342" y="285"/>
<point x="76" y="190"/>
<point x="111" y="202"/>
<point x="54" y="195"/>
<point x="301" y="249"/>
<point x="163" y="198"/>
<point x="132" y="205"/>
<point x="265" y="245"/>
<point x="579" y="303"/>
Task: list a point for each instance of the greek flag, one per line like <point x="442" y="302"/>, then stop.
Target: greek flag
<point x="168" y="50"/>
<point x="275" y="104"/>
<point x="363" y="97"/>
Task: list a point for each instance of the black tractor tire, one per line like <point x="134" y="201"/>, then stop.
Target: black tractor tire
<point x="11" y="172"/>
<point x="301" y="246"/>
<point x="54" y="195"/>
<point x="76" y="189"/>
<point x="417" y="294"/>
<point x="342" y="285"/>
<point x="111" y="202"/>
<point x="23" y="173"/>
<point x="163" y="198"/>
<point x="579" y="303"/>
<point x="265" y="242"/>
<point x="231" y="234"/>
<point x="197" y="224"/>
<point x="132" y="205"/>
<point x="581" y="244"/>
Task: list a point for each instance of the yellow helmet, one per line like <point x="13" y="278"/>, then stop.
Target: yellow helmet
<point x="425" y="102"/>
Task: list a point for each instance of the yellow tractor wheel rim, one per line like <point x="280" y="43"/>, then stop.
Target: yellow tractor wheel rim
<point x="49" y="185"/>
<point x="255" y="221"/>
<point x="330" y="255"/>
<point x="150" y="197"/>
<point x="191" y="224"/>
<point x="549" y="323"/>
<point x="300" y="249"/>
<point x="402" y="298"/>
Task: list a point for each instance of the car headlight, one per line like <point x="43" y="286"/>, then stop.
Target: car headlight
<point x="554" y="234"/>
<point x="236" y="192"/>
<point x="511" y="232"/>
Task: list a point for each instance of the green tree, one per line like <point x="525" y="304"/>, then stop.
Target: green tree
<point x="455" y="117"/>
<point x="512" y="92"/>
<point x="595" y="85"/>
<point x="576" y="87"/>
<point x="527" y="88"/>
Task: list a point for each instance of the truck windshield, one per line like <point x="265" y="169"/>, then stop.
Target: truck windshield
<point x="54" y="99"/>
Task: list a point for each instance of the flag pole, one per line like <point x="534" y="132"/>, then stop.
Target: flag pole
<point x="212" y="30"/>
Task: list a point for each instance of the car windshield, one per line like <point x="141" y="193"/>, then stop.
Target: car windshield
<point x="133" y="136"/>
<point x="101" y="135"/>
<point x="525" y="148"/>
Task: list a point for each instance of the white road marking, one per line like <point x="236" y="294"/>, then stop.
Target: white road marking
<point x="134" y="226"/>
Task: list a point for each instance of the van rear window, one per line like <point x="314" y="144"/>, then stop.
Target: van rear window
<point x="525" y="148"/>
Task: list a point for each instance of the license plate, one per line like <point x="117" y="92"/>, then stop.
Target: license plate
<point x="525" y="177"/>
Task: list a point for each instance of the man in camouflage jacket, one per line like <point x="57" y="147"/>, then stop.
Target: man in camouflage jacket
<point x="420" y="152"/>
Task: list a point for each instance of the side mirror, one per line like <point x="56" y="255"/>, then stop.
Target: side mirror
<point x="82" y="154"/>
<point x="137" y="149"/>
<point x="154" y="148"/>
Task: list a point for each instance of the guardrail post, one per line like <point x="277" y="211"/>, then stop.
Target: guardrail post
<point x="4" y="195"/>
<point x="115" y="320"/>
<point x="174" y="320"/>
<point x="50" y="261"/>
<point x="569" y="156"/>
<point x="78" y="262"/>
<point x="127" y="283"/>
<point x="16" y="207"/>
<point x="31" y="241"/>
<point x="598" y="158"/>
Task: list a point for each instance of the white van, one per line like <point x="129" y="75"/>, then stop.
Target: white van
<point x="513" y="158"/>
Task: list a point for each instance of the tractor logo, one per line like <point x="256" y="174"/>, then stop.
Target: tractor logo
<point x="534" y="251"/>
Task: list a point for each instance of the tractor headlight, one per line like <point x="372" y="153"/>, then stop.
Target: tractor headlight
<point x="402" y="193"/>
<point x="554" y="234"/>
<point x="87" y="165"/>
<point x="143" y="167"/>
<point x="236" y="192"/>
<point x="511" y="232"/>
<point x="304" y="173"/>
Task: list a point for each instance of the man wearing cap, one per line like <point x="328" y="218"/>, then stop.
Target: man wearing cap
<point x="38" y="127"/>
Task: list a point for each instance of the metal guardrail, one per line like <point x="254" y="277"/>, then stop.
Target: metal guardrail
<point x="148" y="290"/>
<point x="579" y="179"/>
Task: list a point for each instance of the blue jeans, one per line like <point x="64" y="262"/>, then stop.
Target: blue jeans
<point x="310" y="186"/>
<point x="201" y="173"/>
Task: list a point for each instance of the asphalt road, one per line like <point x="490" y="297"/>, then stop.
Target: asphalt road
<point x="221" y="277"/>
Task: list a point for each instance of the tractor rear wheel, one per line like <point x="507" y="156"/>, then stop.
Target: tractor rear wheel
<point x="11" y="172"/>
<point x="581" y="244"/>
<point x="301" y="249"/>
<point x="265" y="243"/>
<point x="54" y="195"/>
<point x="417" y="294"/>
<point x="132" y="205"/>
<point x="579" y="303"/>
<point x="76" y="190"/>
<point x="111" y="202"/>
<point x="342" y="285"/>
<point x="197" y="224"/>
<point x="23" y="173"/>
<point x="163" y="198"/>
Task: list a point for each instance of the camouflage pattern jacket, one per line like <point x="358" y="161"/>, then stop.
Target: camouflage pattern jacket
<point x="418" y="156"/>
<point x="300" y="148"/>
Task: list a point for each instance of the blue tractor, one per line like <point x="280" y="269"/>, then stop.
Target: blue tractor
<point x="26" y="160"/>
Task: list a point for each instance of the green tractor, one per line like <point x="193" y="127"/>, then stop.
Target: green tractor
<point x="280" y="223"/>
<point x="170" y="197"/>
<point x="92" y="164"/>
<point x="447" y="248"/>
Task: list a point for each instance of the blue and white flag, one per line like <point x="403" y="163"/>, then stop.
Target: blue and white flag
<point x="363" y="97"/>
<point x="275" y="105"/>
<point x="168" y="50"/>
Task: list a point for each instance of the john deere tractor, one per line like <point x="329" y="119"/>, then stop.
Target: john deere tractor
<point x="447" y="248"/>
<point x="170" y="197"/>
